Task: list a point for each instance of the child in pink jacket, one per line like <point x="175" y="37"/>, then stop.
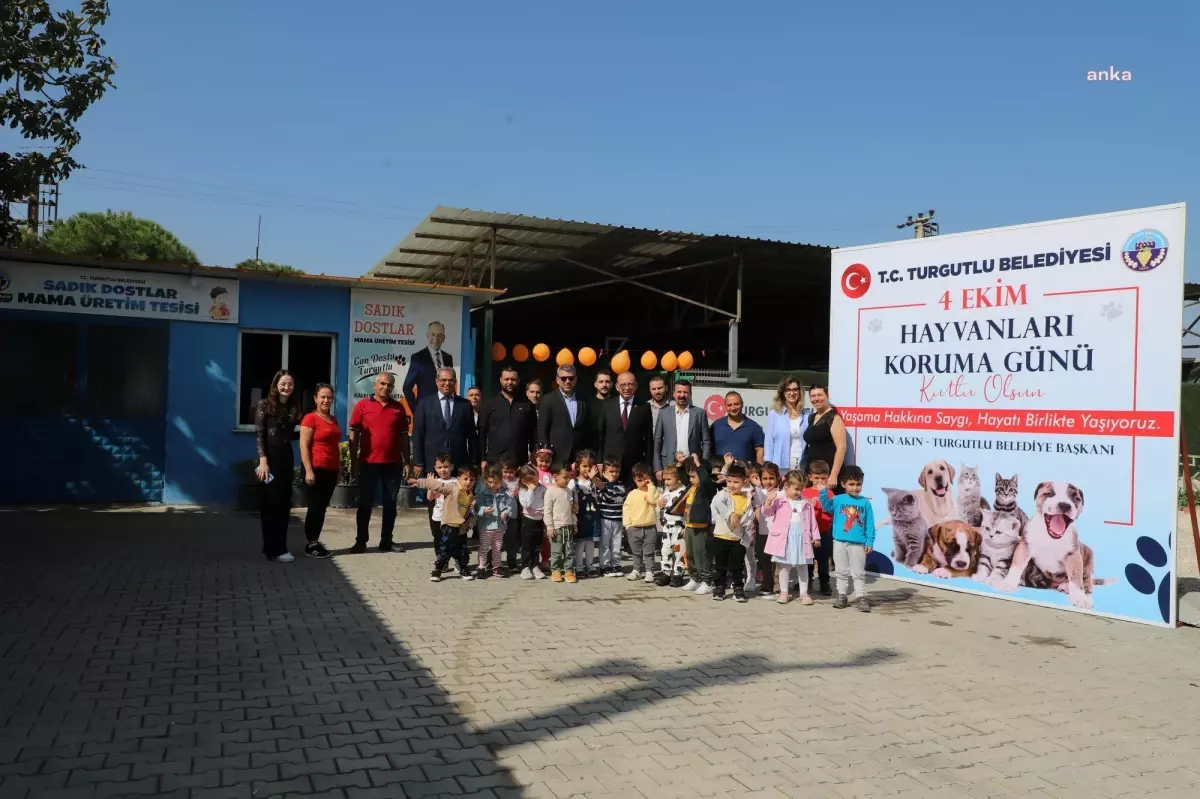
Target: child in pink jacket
<point x="792" y="535"/>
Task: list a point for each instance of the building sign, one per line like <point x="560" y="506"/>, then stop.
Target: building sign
<point x="1013" y="397"/>
<point x="115" y="292"/>
<point x="405" y="334"/>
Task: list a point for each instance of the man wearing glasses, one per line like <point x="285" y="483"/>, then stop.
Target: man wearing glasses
<point x="563" y="421"/>
<point x="444" y="423"/>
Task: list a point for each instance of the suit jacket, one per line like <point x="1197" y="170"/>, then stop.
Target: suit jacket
<point x="431" y="436"/>
<point x="633" y="444"/>
<point x="555" y="428"/>
<point x="699" y="437"/>
<point x="422" y="376"/>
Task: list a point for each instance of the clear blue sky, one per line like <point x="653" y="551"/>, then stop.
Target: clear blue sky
<point x="824" y="123"/>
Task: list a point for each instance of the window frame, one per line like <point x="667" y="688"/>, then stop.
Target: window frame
<point x="285" y="352"/>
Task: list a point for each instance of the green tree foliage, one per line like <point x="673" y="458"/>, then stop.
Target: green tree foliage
<point x="253" y="265"/>
<point x="51" y="70"/>
<point x="117" y="234"/>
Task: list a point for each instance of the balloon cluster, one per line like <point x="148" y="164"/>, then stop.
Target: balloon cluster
<point x="621" y="362"/>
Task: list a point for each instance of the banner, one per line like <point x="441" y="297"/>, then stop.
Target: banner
<point x="114" y="292"/>
<point x="405" y="334"/>
<point x="1013" y="399"/>
<point x="756" y="402"/>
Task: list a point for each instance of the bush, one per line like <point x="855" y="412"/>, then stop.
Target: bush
<point x="344" y="476"/>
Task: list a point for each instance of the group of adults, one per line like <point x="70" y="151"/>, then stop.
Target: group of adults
<point x="511" y="426"/>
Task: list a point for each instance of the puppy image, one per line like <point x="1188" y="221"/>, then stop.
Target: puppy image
<point x="1050" y="554"/>
<point x="951" y="550"/>
<point x="909" y="528"/>
<point x="937" y="494"/>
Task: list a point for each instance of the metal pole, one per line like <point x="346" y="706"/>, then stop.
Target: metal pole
<point x="487" y="387"/>
<point x="258" y="239"/>
<point x="734" y="324"/>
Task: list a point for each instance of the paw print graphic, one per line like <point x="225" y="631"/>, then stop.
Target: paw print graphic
<point x="875" y="325"/>
<point x="1111" y="311"/>
<point x="1141" y="579"/>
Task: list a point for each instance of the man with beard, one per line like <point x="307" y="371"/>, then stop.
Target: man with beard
<point x="507" y="424"/>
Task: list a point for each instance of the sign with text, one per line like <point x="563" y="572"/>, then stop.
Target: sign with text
<point x="115" y="292"/>
<point x="409" y="335"/>
<point x="1013" y="399"/>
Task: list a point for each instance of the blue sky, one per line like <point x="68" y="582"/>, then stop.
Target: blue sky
<point x="824" y="123"/>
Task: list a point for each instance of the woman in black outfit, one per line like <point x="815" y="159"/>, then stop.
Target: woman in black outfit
<point x="825" y="436"/>
<point x="275" y="421"/>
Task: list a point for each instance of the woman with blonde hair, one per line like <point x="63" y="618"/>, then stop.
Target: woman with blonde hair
<point x="787" y="422"/>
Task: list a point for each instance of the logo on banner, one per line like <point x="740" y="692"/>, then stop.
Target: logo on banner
<point x="856" y="280"/>
<point x="714" y="407"/>
<point x="4" y="284"/>
<point x="1144" y="250"/>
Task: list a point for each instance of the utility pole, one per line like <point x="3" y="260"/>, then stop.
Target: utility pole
<point x="923" y="226"/>
<point x="258" y="240"/>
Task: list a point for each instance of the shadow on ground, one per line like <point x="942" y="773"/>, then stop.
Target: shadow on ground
<point x="153" y="653"/>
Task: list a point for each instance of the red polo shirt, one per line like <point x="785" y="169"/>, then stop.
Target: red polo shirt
<point x="380" y="428"/>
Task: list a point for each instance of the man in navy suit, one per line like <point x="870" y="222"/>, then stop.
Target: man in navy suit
<point x="563" y="420"/>
<point x="444" y="422"/>
<point x="424" y="365"/>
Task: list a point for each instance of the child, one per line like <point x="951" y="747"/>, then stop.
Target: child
<point x="638" y="514"/>
<point x="493" y="508"/>
<point x="762" y="561"/>
<point x="818" y="477"/>
<point x="512" y="531"/>
<point x="755" y="471"/>
<point x="443" y="465"/>
<point x="560" y="524"/>
<point x="457" y="516"/>
<point x="583" y="492"/>
<point x="793" y="534"/>
<point x="672" y="530"/>
<point x="542" y="459"/>
<point x="697" y="514"/>
<point x="733" y="518"/>
<point x="612" y="502"/>
<point x="532" y="496"/>
<point x="853" y="536"/>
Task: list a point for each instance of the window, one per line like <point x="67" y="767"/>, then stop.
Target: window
<point x="132" y="385"/>
<point x="308" y="356"/>
<point x="40" y="362"/>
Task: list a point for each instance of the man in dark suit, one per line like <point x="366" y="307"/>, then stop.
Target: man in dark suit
<point x="444" y="422"/>
<point x="625" y="428"/>
<point x="563" y="421"/>
<point x="424" y="365"/>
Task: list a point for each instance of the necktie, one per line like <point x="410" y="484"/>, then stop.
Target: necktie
<point x="446" y="410"/>
<point x="625" y="414"/>
<point x="437" y="360"/>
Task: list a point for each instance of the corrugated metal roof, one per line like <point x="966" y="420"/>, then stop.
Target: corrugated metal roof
<point x="451" y="245"/>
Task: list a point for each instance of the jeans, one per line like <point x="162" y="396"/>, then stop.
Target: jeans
<point x="851" y="562"/>
<point x="275" y="503"/>
<point x="371" y="477"/>
<point x="452" y="544"/>
<point x="641" y="543"/>
<point x="533" y="531"/>
<point x="611" y="531"/>
<point x="512" y="541"/>
<point x="319" y="494"/>
<point x="729" y="563"/>
<point x="823" y="555"/>
<point x="696" y="542"/>
<point x="562" y="550"/>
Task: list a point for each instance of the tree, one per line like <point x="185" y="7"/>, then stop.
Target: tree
<point x="51" y="70"/>
<point x="117" y="234"/>
<point x="255" y="265"/>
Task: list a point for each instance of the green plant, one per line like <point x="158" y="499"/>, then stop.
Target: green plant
<point x="117" y="234"/>
<point x="344" y="476"/>
<point x="254" y="265"/>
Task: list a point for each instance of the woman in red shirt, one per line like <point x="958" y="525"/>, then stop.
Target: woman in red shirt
<point x="319" y="440"/>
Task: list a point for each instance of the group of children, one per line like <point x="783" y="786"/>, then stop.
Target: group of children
<point x="716" y="530"/>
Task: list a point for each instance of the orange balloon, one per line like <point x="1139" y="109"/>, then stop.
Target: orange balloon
<point x="564" y="357"/>
<point x="620" y="362"/>
<point x="649" y="360"/>
<point x="540" y="352"/>
<point x="520" y="353"/>
<point x="686" y="361"/>
<point x="587" y="356"/>
<point x="669" y="361"/>
<point x="498" y="352"/>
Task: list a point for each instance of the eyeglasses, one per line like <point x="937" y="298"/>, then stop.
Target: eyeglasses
<point x="791" y="390"/>
<point x="566" y="379"/>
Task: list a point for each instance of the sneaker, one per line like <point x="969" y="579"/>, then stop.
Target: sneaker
<point x="636" y="575"/>
<point x="595" y="571"/>
<point x="388" y="546"/>
<point x="316" y="550"/>
<point x="556" y="576"/>
<point x="526" y="573"/>
<point x="692" y="585"/>
<point x="570" y="577"/>
<point x="467" y="574"/>
<point x="783" y="598"/>
<point x="614" y="571"/>
<point x="676" y="581"/>
<point x="499" y="572"/>
<point x="704" y="588"/>
<point x="768" y="595"/>
<point x="358" y="549"/>
<point x="864" y="604"/>
<point x="286" y="557"/>
<point x="650" y="578"/>
<point x="841" y="602"/>
<point x="435" y="576"/>
<point x="718" y="594"/>
<point x="806" y="599"/>
<point x="537" y="574"/>
<point x="739" y="595"/>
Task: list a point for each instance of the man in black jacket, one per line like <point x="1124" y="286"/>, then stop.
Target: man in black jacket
<point x="624" y="428"/>
<point x="507" y="425"/>
<point x="563" y="421"/>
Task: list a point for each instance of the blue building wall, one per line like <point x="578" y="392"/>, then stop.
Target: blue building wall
<point x="203" y="443"/>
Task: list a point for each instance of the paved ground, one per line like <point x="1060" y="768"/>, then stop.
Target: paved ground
<point x="155" y="653"/>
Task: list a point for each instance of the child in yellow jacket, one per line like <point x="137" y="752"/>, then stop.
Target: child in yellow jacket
<point x="640" y="516"/>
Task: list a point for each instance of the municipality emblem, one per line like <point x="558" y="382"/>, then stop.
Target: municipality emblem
<point x="1144" y="250"/>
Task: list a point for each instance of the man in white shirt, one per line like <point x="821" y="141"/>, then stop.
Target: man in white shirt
<point x="682" y="431"/>
<point x="425" y="364"/>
